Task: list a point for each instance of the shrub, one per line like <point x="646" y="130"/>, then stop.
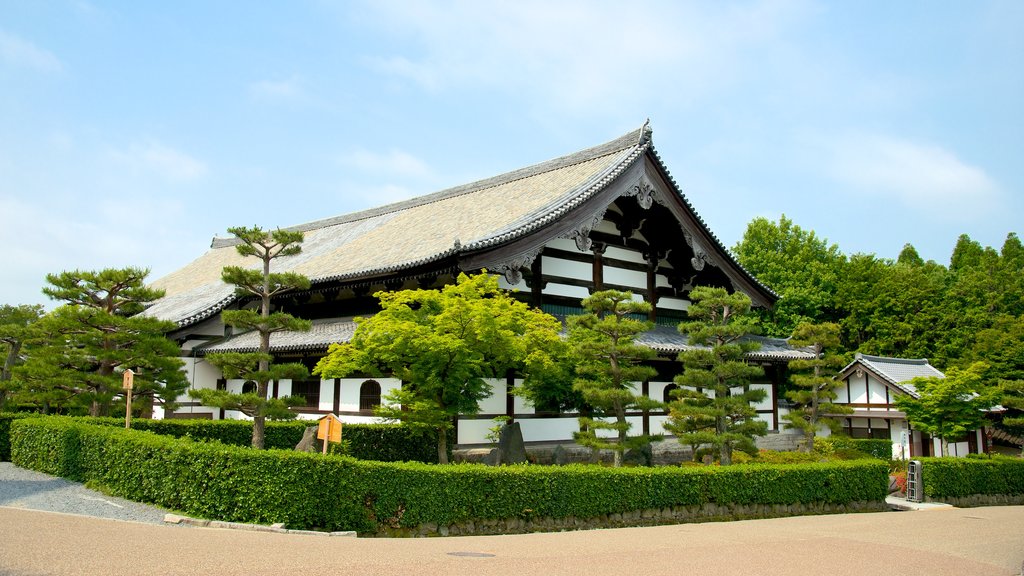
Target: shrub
<point x="960" y="477"/>
<point x="213" y="480"/>
<point x="5" y="432"/>
<point x="876" y="448"/>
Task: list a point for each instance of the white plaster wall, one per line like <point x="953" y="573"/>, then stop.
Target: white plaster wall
<point x="633" y="278"/>
<point x="624" y="254"/>
<point x="841" y="395"/>
<point x="673" y="303"/>
<point x="567" y="268"/>
<point x="877" y="392"/>
<point x="547" y="429"/>
<point x="495" y="403"/>
<point x="554" y="289"/>
<point x="658" y="424"/>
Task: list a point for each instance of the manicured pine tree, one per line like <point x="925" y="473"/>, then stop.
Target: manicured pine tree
<point x="259" y="366"/>
<point x="14" y="323"/>
<point x="815" y="383"/>
<point x="716" y="377"/>
<point x="76" y="353"/>
<point x="609" y="367"/>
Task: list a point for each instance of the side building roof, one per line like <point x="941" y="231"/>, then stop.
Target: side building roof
<point x="895" y="371"/>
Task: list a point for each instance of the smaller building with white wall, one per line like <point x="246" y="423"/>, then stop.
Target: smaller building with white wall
<point x="870" y="386"/>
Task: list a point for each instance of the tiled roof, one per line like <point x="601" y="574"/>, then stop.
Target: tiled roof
<point x="323" y="334"/>
<point x="667" y="339"/>
<point x="897" y="371"/>
<point x="663" y="339"/>
<point x="431" y="228"/>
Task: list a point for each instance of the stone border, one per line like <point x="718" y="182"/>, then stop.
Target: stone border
<point x="976" y="500"/>
<point x="275" y="528"/>
<point x="653" y="517"/>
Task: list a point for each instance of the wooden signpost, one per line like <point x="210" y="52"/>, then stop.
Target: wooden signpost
<point x="129" y="380"/>
<point x="329" y="430"/>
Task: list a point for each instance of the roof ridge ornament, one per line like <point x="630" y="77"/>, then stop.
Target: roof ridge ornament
<point x="645" y="133"/>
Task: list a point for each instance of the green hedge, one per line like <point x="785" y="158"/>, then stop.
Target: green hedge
<point x="944" y="477"/>
<point x="5" y="432"/>
<point x="876" y="448"/>
<point x="382" y="442"/>
<point x="338" y="493"/>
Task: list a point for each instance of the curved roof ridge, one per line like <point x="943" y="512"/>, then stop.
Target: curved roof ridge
<point x="889" y="359"/>
<point x="632" y="138"/>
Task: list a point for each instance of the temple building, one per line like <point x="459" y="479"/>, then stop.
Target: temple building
<point x="610" y="216"/>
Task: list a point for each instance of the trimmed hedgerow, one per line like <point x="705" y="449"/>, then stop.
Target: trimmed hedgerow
<point x="5" y="432"/>
<point x="874" y="447"/>
<point x="212" y="480"/>
<point x="958" y="477"/>
<point x="382" y="442"/>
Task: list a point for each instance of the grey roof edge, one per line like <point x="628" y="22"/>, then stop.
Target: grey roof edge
<point x="620" y="143"/>
<point x="706" y="229"/>
<point x="869" y="362"/>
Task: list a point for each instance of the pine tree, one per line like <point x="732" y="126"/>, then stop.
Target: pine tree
<point x="14" y="323"/>
<point x="716" y="377"/>
<point x="259" y="366"/>
<point x="609" y="367"/>
<point x="815" y="383"/>
<point x="77" y="352"/>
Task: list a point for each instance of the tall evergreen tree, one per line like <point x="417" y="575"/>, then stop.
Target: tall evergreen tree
<point x="259" y="366"/>
<point x="716" y="376"/>
<point x="815" y="382"/>
<point x="609" y="367"/>
<point x="800" y="266"/>
<point x="77" y="352"/>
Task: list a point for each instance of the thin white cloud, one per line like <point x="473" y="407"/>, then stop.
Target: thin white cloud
<point x="163" y="160"/>
<point x="20" y="52"/>
<point x="394" y="163"/>
<point x="289" y="89"/>
<point x="920" y="175"/>
<point x="576" y="54"/>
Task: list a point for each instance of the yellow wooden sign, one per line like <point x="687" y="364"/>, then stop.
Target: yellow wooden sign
<point x="330" y="429"/>
<point x="129" y="379"/>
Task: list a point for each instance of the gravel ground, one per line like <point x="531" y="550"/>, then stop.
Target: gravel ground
<point x="20" y="488"/>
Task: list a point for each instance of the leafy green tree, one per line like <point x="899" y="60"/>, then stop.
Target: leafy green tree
<point x="716" y="377"/>
<point x="75" y="354"/>
<point x="1012" y="398"/>
<point x="948" y="408"/>
<point x="609" y="365"/>
<point x="910" y="256"/>
<point x="815" y="382"/>
<point x="443" y="345"/>
<point x="259" y="366"/>
<point x="14" y="323"/>
<point x="801" y="267"/>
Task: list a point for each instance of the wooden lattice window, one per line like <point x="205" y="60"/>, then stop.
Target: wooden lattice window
<point x="667" y="394"/>
<point x="309" y="390"/>
<point x="369" y="396"/>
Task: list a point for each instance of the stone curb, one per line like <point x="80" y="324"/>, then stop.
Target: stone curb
<point x="275" y="528"/>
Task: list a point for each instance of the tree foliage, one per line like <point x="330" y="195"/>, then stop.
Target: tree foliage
<point x="715" y="382"/>
<point x="950" y="407"/>
<point x="14" y="326"/>
<point x="443" y="344"/>
<point x="815" y="382"/>
<point x="259" y="366"/>
<point x="802" y="268"/>
<point x="608" y="367"/>
<point x="76" y="354"/>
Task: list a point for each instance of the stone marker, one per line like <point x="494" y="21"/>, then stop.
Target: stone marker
<point x="309" y="442"/>
<point x="560" y="457"/>
<point x="510" y="444"/>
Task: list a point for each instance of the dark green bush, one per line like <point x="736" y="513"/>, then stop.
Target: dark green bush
<point x="304" y="490"/>
<point x="5" y="432"/>
<point x="876" y="448"/>
<point x="383" y="442"/>
<point x="968" y="476"/>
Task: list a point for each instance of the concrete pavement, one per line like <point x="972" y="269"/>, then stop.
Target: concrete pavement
<point x="953" y="541"/>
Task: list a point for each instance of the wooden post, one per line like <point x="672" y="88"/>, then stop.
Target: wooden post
<point x="129" y="380"/>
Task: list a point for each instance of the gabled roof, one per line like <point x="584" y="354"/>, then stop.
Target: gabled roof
<point x="896" y="371"/>
<point x="663" y="339"/>
<point x="458" y="221"/>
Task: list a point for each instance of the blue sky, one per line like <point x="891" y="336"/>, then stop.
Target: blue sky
<point x="132" y="132"/>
